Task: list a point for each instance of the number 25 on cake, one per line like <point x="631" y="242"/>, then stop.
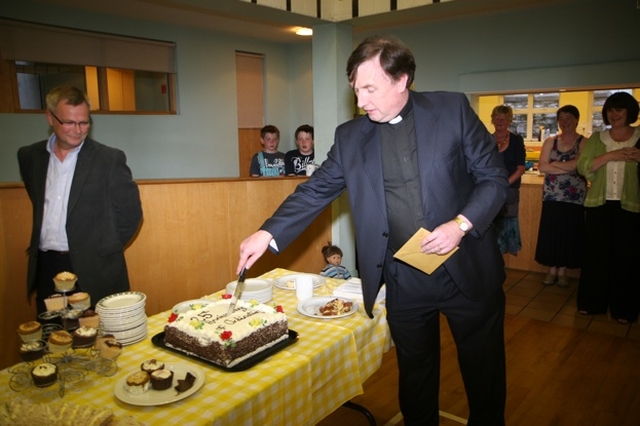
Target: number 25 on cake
<point x="210" y="334"/>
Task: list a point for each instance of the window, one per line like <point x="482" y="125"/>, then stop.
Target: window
<point x="119" y="74"/>
<point x="599" y="96"/>
<point x="534" y="114"/>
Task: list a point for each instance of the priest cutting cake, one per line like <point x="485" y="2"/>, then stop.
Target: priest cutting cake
<point x="415" y="161"/>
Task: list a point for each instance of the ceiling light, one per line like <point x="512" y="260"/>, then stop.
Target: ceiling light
<point x="303" y="31"/>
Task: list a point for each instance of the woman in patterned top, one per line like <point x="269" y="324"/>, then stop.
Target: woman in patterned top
<point x="561" y="233"/>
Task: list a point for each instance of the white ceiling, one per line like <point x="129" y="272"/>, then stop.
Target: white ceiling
<point x="244" y="18"/>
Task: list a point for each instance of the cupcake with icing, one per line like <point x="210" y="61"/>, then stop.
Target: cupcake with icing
<point x="30" y="351"/>
<point x="65" y="281"/>
<point x="80" y="300"/>
<point x="60" y="341"/>
<point x="137" y="383"/>
<point x="30" y="331"/>
<point x="111" y="349"/>
<point x="161" y="379"/>
<point x="89" y="318"/>
<point x="84" y="336"/>
<point x="44" y="374"/>
<point x="152" y="365"/>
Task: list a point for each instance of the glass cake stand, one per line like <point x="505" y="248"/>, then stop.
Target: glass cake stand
<point x="73" y="365"/>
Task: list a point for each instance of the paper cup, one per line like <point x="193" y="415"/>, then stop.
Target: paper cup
<point x="304" y="287"/>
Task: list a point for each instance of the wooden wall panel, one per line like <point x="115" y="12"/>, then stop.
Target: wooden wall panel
<point x="248" y="144"/>
<point x="529" y="215"/>
<point x="187" y="246"/>
<point x="15" y="232"/>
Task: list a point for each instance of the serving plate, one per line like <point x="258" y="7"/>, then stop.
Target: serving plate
<point x="122" y="301"/>
<point x="286" y="282"/>
<point x="310" y="307"/>
<point x="254" y="288"/>
<point x="167" y="396"/>
<point x="158" y="341"/>
<point x="190" y="305"/>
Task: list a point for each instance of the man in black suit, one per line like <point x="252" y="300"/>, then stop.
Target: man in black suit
<point x="86" y="206"/>
<point x="415" y="160"/>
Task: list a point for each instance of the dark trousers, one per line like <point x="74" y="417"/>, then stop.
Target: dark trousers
<point x="414" y="303"/>
<point x="609" y="275"/>
<point x="50" y="263"/>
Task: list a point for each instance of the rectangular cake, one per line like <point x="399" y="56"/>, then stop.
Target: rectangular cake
<point x="210" y="334"/>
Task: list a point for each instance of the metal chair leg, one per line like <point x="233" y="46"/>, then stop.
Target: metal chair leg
<point x="363" y="410"/>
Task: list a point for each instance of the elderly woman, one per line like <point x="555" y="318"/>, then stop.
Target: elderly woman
<point x="511" y="148"/>
<point x="561" y="233"/>
<point x="609" y="160"/>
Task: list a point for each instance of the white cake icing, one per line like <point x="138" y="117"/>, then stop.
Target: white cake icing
<point x="31" y="346"/>
<point x="162" y="374"/>
<point x="227" y="340"/>
<point x="86" y="331"/>
<point x="209" y="323"/>
<point x="44" y="370"/>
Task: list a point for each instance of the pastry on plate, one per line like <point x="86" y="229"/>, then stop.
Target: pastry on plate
<point x="161" y="379"/>
<point x="152" y="365"/>
<point x="137" y="383"/>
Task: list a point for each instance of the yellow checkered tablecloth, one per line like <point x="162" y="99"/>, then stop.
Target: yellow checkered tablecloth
<point x="300" y="384"/>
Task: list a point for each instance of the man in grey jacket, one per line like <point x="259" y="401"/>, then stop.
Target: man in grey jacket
<point x="86" y="206"/>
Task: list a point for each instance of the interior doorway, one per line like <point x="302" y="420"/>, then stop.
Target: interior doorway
<point x="250" y="100"/>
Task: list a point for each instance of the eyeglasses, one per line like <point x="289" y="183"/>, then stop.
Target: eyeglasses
<point x="70" y="125"/>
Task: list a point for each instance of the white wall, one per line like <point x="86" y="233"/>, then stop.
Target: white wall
<point x="201" y="140"/>
<point x="589" y="41"/>
<point x="581" y="43"/>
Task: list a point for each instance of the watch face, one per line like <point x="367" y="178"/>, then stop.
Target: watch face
<point x="464" y="227"/>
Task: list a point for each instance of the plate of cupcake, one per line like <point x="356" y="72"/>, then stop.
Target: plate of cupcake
<point x="156" y="383"/>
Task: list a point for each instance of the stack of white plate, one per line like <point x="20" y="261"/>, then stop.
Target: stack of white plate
<point x="254" y="289"/>
<point x="124" y="316"/>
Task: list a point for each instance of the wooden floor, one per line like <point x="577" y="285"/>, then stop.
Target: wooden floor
<point x="562" y="368"/>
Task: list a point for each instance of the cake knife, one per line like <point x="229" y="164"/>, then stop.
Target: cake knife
<point x="237" y="292"/>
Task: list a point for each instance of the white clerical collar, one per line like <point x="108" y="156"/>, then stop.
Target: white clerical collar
<point x="396" y="120"/>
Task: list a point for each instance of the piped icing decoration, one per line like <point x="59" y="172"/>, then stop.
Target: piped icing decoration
<point x="44" y="369"/>
<point x="210" y="322"/>
<point x="225" y="336"/>
<point x="227" y="296"/>
<point x="257" y="322"/>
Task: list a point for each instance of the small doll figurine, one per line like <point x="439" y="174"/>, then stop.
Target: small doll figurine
<point x="333" y="256"/>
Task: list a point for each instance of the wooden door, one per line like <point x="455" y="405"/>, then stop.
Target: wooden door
<point x="250" y="99"/>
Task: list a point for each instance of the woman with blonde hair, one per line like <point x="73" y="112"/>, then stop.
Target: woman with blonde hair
<point x="511" y="148"/>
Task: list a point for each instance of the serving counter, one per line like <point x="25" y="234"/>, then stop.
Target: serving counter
<point x="298" y="385"/>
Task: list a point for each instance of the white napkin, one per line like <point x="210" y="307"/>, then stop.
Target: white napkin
<point x="352" y="289"/>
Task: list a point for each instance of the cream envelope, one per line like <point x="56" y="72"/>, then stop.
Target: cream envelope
<point x="410" y="253"/>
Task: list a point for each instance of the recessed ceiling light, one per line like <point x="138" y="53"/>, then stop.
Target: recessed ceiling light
<point x="303" y="31"/>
